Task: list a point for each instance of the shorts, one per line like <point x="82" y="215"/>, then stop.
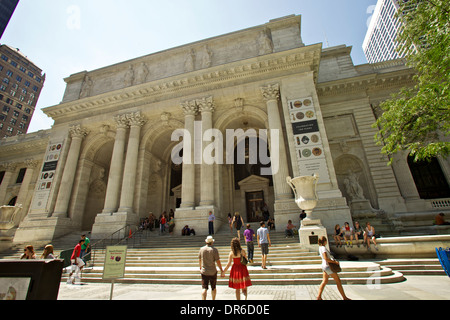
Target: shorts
<point x="264" y="249"/>
<point x="206" y="280"/>
<point x="327" y="270"/>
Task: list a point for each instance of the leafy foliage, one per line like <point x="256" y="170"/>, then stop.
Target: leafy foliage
<point x="418" y="119"/>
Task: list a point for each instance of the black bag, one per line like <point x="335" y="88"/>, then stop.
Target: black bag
<point x="244" y="260"/>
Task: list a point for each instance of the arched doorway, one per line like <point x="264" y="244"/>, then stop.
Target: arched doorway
<point x="429" y="178"/>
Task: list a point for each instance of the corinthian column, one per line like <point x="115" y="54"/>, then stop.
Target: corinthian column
<point x="136" y="121"/>
<point x="116" y="168"/>
<point x="77" y="134"/>
<point x="271" y="94"/>
<point x="188" y="174"/>
<point x="206" y="107"/>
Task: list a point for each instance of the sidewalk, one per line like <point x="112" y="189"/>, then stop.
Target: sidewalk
<point x="414" y="288"/>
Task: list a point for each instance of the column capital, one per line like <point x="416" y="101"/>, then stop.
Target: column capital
<point x="78" y="132"/>
<point x="206" y="104"/>
<point x="136" y="119"/>
<point x="8" y="166"/>
<point x="32" y="164"/>
<point x="190" y="108"/>
<point x="121" y="121"/>
<point x="271" y="92"/>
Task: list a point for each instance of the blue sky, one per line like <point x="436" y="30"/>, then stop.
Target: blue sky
<point x="64" y="37"/>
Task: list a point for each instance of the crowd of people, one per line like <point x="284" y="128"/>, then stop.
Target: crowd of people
<point x="77" y="258"/>
<point x="350" y="235"/>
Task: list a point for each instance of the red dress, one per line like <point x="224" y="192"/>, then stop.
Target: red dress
<point x="239" y="277"/>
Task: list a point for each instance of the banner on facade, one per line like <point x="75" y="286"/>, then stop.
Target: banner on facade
<point x="45" y="181"/>
<point x="307" y="139"/>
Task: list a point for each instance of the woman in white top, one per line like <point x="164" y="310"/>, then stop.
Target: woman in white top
<point x="326" y="260"/>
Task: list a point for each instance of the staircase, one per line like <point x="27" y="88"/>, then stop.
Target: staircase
<point x="165" y="259"/>
<point x="174" y="260"/>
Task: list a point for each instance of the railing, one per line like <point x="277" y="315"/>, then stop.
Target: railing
<point x="129" y="235"/>
<point x="443" y="203"/>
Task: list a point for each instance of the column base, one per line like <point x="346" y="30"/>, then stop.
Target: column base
<point x="197" y="218"/>
<point x="106" y="224"/>
<point x="44" y="229"/>
<point x="310" y="232"/>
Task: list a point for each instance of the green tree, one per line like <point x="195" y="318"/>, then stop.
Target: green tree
<point x="418" y="118"/>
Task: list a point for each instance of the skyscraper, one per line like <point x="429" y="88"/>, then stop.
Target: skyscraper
<point x="21" y="82"/>
<point x="380" y="42"/>
<point x="7" y="8"/>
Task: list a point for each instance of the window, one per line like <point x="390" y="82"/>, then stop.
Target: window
<point x="9" y="73"/>
<point x="27" y="83"/>
<point x="21" y="175"/>
<point x="14" y="64"/>
<point x="19" y="79"/>
<point x="4" y="57"/>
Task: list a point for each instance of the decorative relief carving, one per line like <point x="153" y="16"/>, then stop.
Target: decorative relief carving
<point x="189" y="62"/>
<point x="271" y="92"/>
<point x="129" y="77"/>
<point x="265" y="43"/>
<point x="86" y="87"/>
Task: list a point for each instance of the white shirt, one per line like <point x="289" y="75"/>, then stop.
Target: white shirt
<point x="322" y="250"/>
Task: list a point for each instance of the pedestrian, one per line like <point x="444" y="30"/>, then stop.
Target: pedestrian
<point x="239" y="276"/>
<point x="230" y="222"/>
<point x="86" y="247"/>
<point x="326" y="261"/>
<point x="263" y="239"/>
<point x="48" y="252"/>
<point x="211" y="219"/>
<point x="238" y="222"/>
<point x="28" y="253"/>
<point x="359" y="233"/>
<point x="348" y="234"/>
<point x="302" y="216"/>
<point x="249" y="236"/>
<point x="289" y="231"/>
<point x="337" y="235"/>
<point x="370" y="235"/>
<point x="77" y="263"/>
<point x="208" y="257"/>
<point x="171" y="225"/>
<point x="162" y="223"/>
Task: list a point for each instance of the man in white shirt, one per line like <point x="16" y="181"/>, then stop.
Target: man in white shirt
<point x="264" y="243"/>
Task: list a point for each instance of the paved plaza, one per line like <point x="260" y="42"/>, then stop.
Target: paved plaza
<point x="414" y="288"/>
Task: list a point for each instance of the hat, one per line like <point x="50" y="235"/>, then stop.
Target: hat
<point x="209" y="239"/>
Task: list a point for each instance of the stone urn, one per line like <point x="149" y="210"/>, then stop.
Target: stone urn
<point x="311" y="230"/>
<point x="7" y="215"/>
<point x="304" y="188"/>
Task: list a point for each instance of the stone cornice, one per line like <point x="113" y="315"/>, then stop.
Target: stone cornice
<point x="373" y="81"/>
<point x="300" y="59"/>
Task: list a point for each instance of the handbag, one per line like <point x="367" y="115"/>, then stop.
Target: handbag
<point x="335" y="267"/>
<point x="244" y="260"/>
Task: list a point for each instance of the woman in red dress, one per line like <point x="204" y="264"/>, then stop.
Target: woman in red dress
<point x="239" y="277"/>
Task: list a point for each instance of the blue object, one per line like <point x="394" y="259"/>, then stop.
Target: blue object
<point x="444" y="259"/>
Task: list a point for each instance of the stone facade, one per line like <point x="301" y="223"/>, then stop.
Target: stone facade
<point x="107" y="160"/>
